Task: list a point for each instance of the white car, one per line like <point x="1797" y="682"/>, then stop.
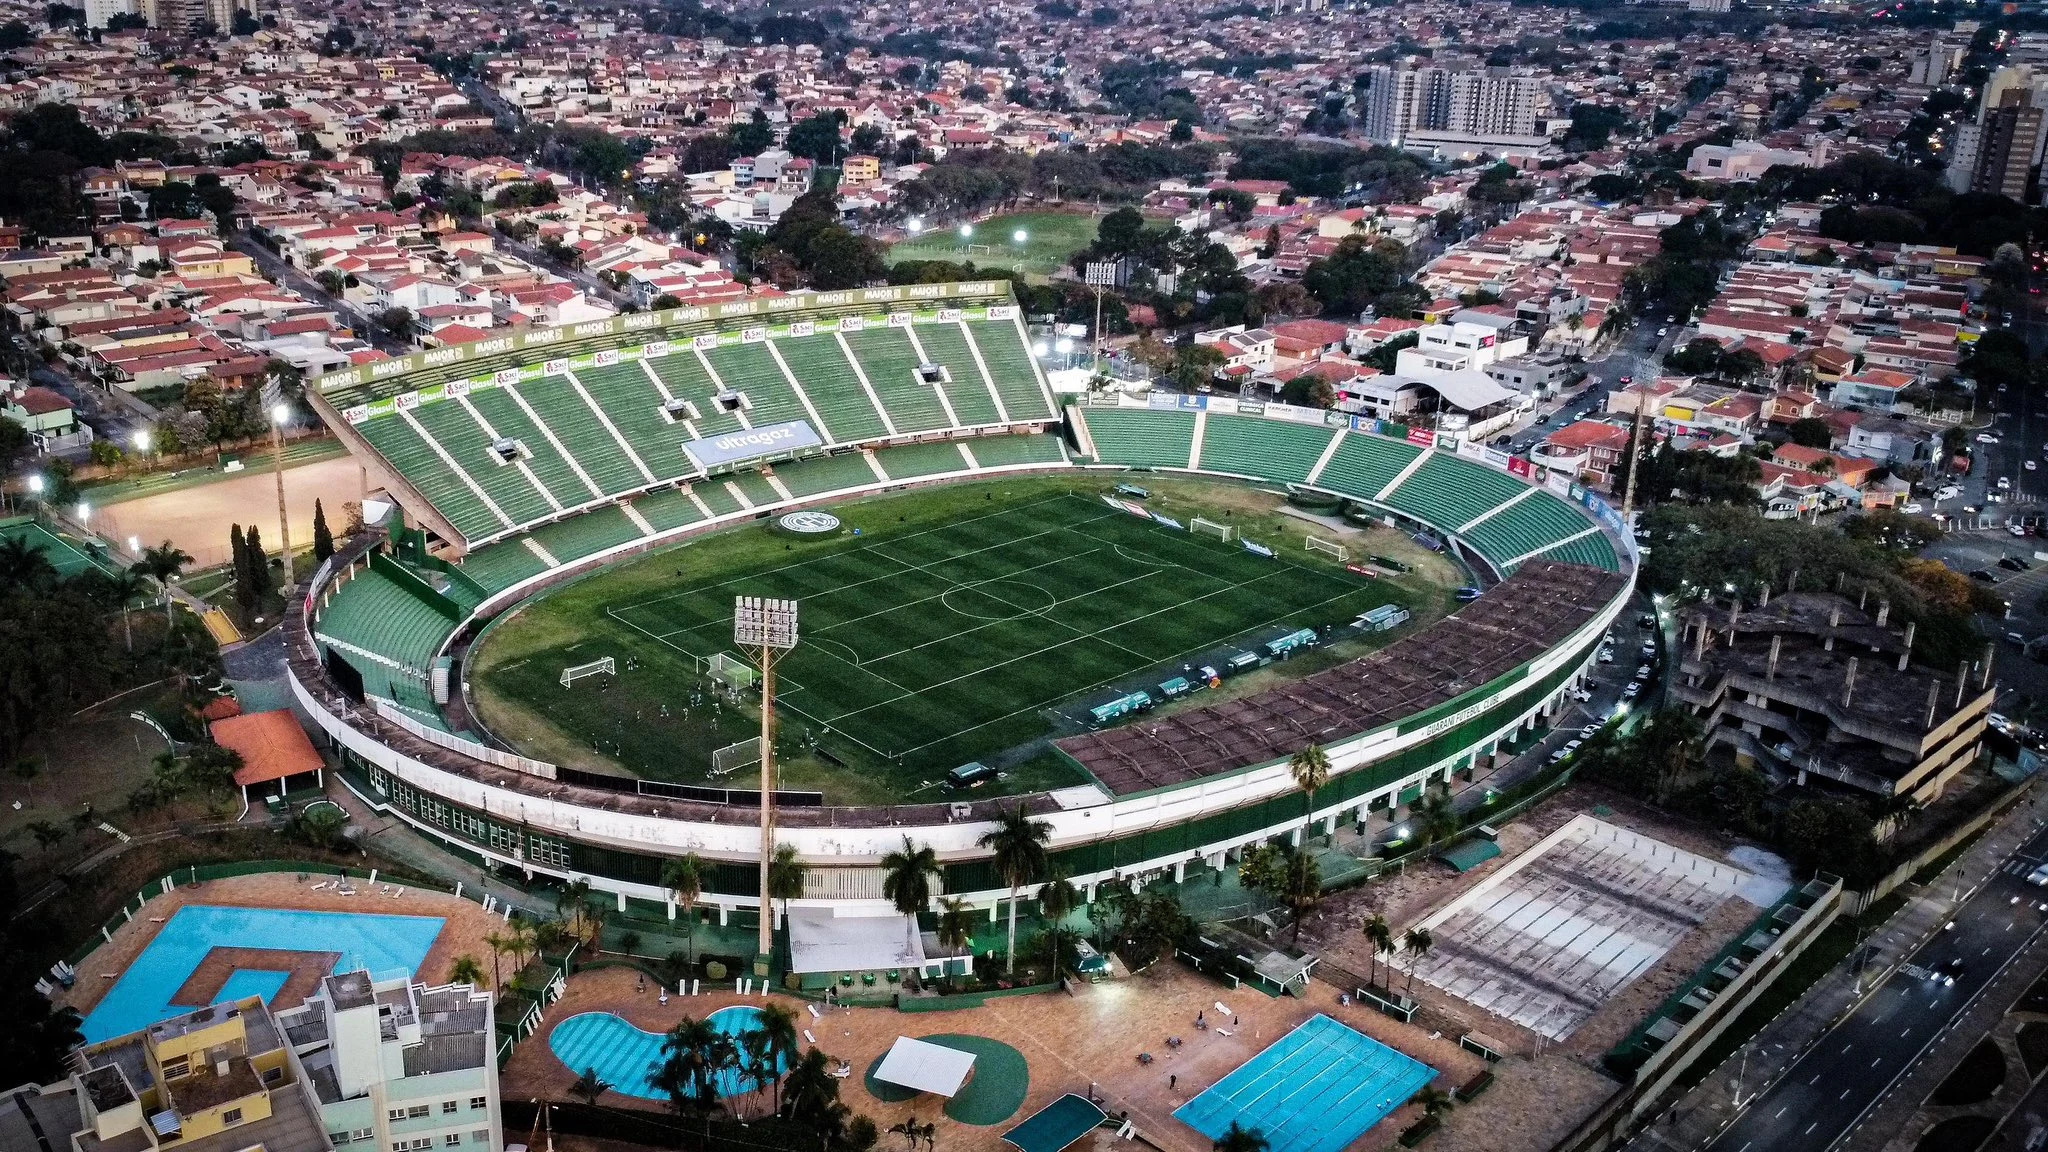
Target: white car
<point x="1587" y="732"/>
<point x="2005" y="482"/>
<point x="2039" y="877"/>
<point x="1949" y="492"/>
<point x="2031" y="465"/>
<point x="1643" y="672"/>
<point x="1607" y="655"/>
<point x="1911" y="508"/>
<point x="1986" y="438"/>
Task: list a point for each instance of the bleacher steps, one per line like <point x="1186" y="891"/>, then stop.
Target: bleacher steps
<point x="1554" y="544"/>
<point x="875" y="466"/>
<point x="739" y="495"/>
<point x="597" y="410"/>
<point x="1323" y="461"/>
<point x="1195" y="442"/>
<point x="701" y="505"/>
<point x="945" y="401"/>
<point x="817" y="421"/>
<point x="718" y="383"/>
<point x="972" y="463"/>
<point x="365" y="653"/>
<point x="639" y="521"/>
<point x="776" y="483"/>
<point x="1413" y="466"/>
<point x="491" y="434"/>
<point x="1079" y="421"/>
<point x="988" y="378"/>
<point x="861" y="375"/>
<point x="1037" y="371"/>
<point x="1497" y="509"/>
<point x="460" y="472"/>
<point x="560" y="447"/>
<point x="546" y="557"/>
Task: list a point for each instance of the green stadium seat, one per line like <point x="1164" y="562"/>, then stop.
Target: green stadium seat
<point x="1447" y="491"/>
<point x="1269" y="449"/>
<point x="634" y="406"/>
<point x="501" y="565"/>
<point x="1140" y="437"/>
<point x="684" y="376"/>
<point x="886" y="356"/>
<point x="1364" y="464"/>
<point x="821" y="474"/>
<point x="463" y="438"/>
<point x="423" y="467"/>
<point x="911" y="461"/>
<point x="509" y="419"/>
<point x="752" y="369"/>
<point x="1595" y="550"/>
<point x="1033" y="448"/>
<point x="1010" y="367"/>
<point x="587" y="534"/>
<point x="1526" y="526"/>
<point x="715" y="497"/>
<point x="555" y="400"/>
<point x="375" y="614"/>
<point x="828" y="379"/>
<point x="756" y="488"/>
<point x="944" y="344"/>
<point x="668" y="509"/>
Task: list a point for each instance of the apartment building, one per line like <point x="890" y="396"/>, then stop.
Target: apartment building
<point x="1407" y="106"/>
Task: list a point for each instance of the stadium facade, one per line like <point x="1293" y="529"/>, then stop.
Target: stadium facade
<point x="540" y="456"/>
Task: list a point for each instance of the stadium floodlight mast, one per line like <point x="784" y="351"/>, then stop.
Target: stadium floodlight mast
<point x="1020" y="236"/>
<point x="280" y="415"/>
<point x="768" y="626"/>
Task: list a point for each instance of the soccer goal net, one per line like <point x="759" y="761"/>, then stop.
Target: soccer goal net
<point x="1328" y="548"/>
<point x="1201" y="527"/>
<point x="732" y="671"/>
<point x="574" y="672"/>
<point x="733" y="757"/>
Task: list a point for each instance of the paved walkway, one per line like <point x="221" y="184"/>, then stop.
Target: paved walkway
<point x="1703" y="1112"/>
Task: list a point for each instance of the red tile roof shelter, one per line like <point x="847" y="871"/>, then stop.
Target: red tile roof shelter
<point x="273" y="748"/>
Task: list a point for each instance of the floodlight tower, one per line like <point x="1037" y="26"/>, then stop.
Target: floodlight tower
<point x="768" y="627"/>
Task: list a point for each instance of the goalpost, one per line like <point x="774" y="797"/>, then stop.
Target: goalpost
<point x="736" y="674"/>
<point x="1201" y="527"/>
<point x="1329" y="548"/>
<point x="602" y="666"/>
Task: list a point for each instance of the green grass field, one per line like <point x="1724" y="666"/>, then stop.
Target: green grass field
<point x="63" y="553"/>
<point x="961" y="624"/>
<point x="1051" y="237"/>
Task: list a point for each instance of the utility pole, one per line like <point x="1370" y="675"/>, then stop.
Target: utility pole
<point x="1635" y="455"/>
<point x="279" y="413"/>
<point x="769" y="627"/>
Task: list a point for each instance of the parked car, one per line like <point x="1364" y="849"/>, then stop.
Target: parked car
<point x="1986" y="438"/>
<point x="2005" y="482"/>
<point x="1912" y="508"/>
<point x="1947" y="492"/>
<point x="2039" y="877"/>
<point x="1607" y="655"/>
<point x="1984" y="574"/>
<point x="2013" y="564"/>
<point x="1643" y="672"/>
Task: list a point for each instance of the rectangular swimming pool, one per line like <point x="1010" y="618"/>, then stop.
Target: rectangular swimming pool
<point x="1317" y="1089"/>
<point x="143" y="995"/>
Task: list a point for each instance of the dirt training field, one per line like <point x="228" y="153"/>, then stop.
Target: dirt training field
<point x="197" y="519"/>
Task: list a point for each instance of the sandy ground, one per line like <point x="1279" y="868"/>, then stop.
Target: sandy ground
<point x="197" y="519"/>
<point x="1072" y="1041"/>
<point x="463" y="934"/>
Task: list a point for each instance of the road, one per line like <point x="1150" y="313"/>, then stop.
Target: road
<point x="1636" y="355"/>
<point x="1824" y="1095"/>
<point x="276" y="268"/>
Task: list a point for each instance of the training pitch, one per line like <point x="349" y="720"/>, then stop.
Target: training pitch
<point x="959" y="624"/>
<point x="1049" y="239"/>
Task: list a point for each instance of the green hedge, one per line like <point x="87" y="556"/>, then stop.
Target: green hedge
<point x="1419" y="1131"/>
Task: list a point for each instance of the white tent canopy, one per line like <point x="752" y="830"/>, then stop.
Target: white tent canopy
<point x="822" y="942"/>
<point x="925" y="1066"/>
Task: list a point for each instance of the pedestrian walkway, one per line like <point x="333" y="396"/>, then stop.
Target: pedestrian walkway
<point x="1711" y="1105"/>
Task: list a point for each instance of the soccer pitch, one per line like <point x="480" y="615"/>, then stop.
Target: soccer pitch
<point x="930" y="648"/>
<point x="1050" y="238"/>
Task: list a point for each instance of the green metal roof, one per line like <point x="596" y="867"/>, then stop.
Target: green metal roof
<point x="1470" y="854"/>
<point x="1056" y="1125"/>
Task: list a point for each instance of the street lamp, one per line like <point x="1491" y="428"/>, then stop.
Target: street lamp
<point x="915" y="224"/>
<point x="280" y="415"/>
<point x="1041" y="350"/>
<point x="966" y="230"/>
<point x="1019" y="236"/>
<point x="35" y="484"/>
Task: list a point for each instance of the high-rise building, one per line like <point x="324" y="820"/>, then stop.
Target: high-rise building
<point x="2009" y="146"/>
<point x="1453" y="104"/>
<point x="99" y="12"/>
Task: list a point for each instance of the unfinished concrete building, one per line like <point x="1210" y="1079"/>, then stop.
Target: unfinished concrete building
<point x="1818" y="684"/>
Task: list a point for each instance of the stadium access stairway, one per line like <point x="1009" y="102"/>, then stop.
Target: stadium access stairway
<point x="1503" y="518"/>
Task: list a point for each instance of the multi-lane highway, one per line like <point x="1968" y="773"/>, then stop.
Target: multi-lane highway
<point x="1823" y="1096"/>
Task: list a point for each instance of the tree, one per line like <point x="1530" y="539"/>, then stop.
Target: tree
<point x="15" y="34"/>
<point x="589" y="1086"/>
<point x="777" y="1027"/>
<point x="693" y="1054"/>
<point x="1351" y="279"/>
<point x="1434" y="1101"/>
<point x="323" y="540"/>
<point x="955" y="925"/>
<point x="1416" y="942"/>
<point x="238" y="553"/>
<point x="162" y="564"/>
<point x="1057" y="899"/>
<point x="259" y="563"/>
<point x="1380" y="936"/>
<point x="786" y="872"/>
<point x="1238" y="1138"/>
<point x="1812" y="432"/>
<point x="907" y="877"/>
<point x="817" y="138"/>
<point x="1311" y="770"/>
<point x="683" y="877"/>
<point x="466" y="970"/>
<point x="1017" y="843"/>
<point x="243" y="24"/>
<point x="1436" y="815"/>
<point x="1308" y="391"/>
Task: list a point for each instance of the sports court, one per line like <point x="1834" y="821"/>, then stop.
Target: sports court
<point x="1547" y="940"/>
<point x="933" y="646"/>
<point x="63" y="553"/>
<point x="1317" y="1089"/>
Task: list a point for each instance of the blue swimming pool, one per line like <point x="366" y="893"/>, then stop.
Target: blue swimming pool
<point x="1317" y="1089"/>
<point x="142" y="995"/>
<point x="625" y="1056"/>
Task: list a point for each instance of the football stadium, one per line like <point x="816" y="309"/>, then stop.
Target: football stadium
<point x="1007" y="597"/>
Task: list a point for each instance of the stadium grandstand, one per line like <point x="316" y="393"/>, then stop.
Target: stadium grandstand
<point x="524" y="460"/>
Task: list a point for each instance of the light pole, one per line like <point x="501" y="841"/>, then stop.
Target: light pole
<point x="142" y="445"/>
<point x="768" y="626"/>
<point x="279" y="414"/>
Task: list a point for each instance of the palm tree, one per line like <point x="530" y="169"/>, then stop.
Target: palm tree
<point x="956" y="925"/>
<point x="1238" y="1138"/>
<point x="1057" y="899"/>
<point x="907" y="877"/>
<point x="755" y="1062"/>
<point x="1416" y="942"/>
<point x="162" y="564"/>
<point x="1018" y="843"/>
<point x="588" y="1087"/>
<point x="786" y="874"/>
<point x="1311" y="768"/>
<point x="1381" y="938"/>
<point x="684" y="879"/>
<point x="22" y="565"/>
<point x="124" y="586"/>
<point x="466" y="970"/>
<point x="1434" y="1101"/>
<point x="777" y="1028"/>
<point x="1436" y="815"/>
<point x="500" y="944"/>
<point x="692" y="1056"/>
<point x="1301" y="886"/>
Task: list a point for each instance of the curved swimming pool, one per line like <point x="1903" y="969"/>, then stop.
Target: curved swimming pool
<point x="625" y="1056"/>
